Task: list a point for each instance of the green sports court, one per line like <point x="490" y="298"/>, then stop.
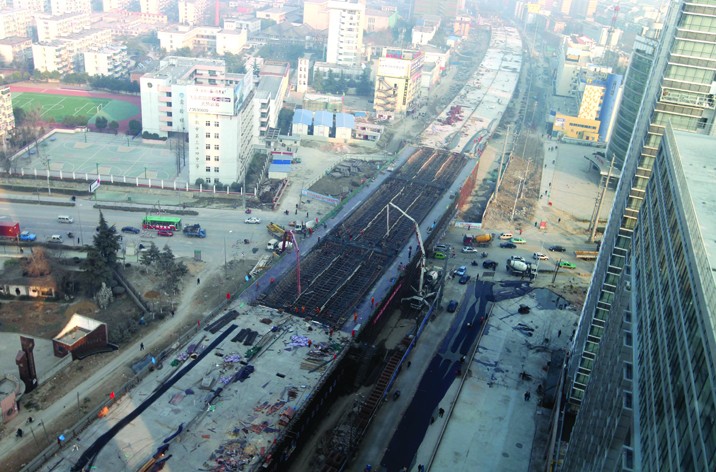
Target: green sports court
<point x="52" y="107"/>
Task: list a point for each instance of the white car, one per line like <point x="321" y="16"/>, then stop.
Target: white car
<point x="252" y="220"/>
<point x="540" y="257"/>
<point x="468" y="249"/>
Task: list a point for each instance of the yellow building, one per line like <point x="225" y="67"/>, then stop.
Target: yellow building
<point x="7" y="119"/>
<point x="397" y="81"/>
<point x="576" y="128"/>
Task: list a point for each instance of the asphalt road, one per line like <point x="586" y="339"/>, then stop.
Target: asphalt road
<point x="442" y="371"/>
<point x="225" y="228"/>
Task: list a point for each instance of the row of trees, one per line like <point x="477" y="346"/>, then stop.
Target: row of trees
<point x="164" y="266"/>
<point x="340" y="84"/>
<point x="102" y="82"/>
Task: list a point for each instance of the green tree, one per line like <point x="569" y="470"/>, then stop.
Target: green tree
<point x="166" y="261"/>
<point x="113" y="126"/>
<point x="106" y="241"/>
<point x="285" y="117"/>
<point x="135" y="127"/>
<point x="20" y="116"/>
<point x="96" y="269"/>
<point x="101" y="122"/>
<point x="318" y="81"/>
<point x="150" y="256"/>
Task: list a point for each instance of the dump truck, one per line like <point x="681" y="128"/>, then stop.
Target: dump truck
<point x="518" y="267"/>
<point x="586" y="255"/>
<point x="480" y="240"/>
<point x="9" y="229"/>
<point x="194" y="231"/>
<point x="276" y="230"/>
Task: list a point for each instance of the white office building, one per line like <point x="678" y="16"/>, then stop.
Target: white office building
<point x="213" y="109"/>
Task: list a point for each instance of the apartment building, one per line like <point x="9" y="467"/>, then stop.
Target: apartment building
<point x="113" y="5"/>
<point x="15" y="23"/>
<point x="64" y="7"/>
<point x="315" y="14"/>
<point x="303" y="72"/>
<point x="214" y="109"/>
<point x="7" y="119"/>
<point x="206" y="38"/>
<point x="656" y="241"/>
<point x="66" y="55"/>
<point x="154" y="7"/>
<point x="15" y="49"/>
<point x="249" y="23"/>
<point x="51" y="27"/>
<point x="380" y="19"/>
<point x="34" y="6"/>
<point x="346" y="22"/>
<point x="443" y="8"/>
<point x="111" y="61"/>
<point x="397" y="81"/>
<point x="192" y="12"/>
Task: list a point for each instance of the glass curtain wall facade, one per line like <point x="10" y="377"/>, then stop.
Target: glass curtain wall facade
<point x="679" y="90"/>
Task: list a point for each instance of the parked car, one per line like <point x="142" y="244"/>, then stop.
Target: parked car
<point x="508" y="245"/>
<point x="452" y="306"/>
<point x="469" y="249"/>
<point x="540" y="257"/>
<point x="464" y="279"/>
<point x="131" y="229"/>
<point x="460" y="271"/>
<point x="27" y="236"/>
<point x="567" y="265"/>
<point x="488" y="264"/>
<point x="557" y="248"/>
<point x="518" y="240"/>
<point x="439" y="255"/>
<point x="441" y="247"/>
<point x="252" y="220"/>
<point x="506" y="236"/>
<point x="165" y="232"/>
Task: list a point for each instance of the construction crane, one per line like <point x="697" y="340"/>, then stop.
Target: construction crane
<point x="420" y="243"/>
<point x="612" y="24"/>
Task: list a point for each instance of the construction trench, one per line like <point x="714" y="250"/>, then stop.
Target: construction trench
<point x="339" y="271"/>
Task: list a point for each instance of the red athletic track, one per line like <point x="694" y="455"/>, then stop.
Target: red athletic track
<point x="59" y="90"/>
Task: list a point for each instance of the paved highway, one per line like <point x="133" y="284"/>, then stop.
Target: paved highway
<point x="223" y="227"/>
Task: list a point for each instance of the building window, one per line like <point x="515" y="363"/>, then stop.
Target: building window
<point x="208" y="135"/>
<point x="207" y="168"/>
<point x="216" y="169"/>
<point x="216" y="158"/>
<point x="216" y="147"/>
<point x="208" y="123"/>
<point x="216" y="124"/>
<point x="628" y="371"/>
<point x="216" y="135"/>
<point x="208" y="146"/>
<point x="208" y="157"/>
<point x="627" y="339"/>
<point x="208" y="180"/>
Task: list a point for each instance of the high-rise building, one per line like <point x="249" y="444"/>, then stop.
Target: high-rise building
<point x="441" y="8"/>
<point x="7" y="119"/>
<point x="678" y="90"/>
<point x="642" y="59"/>
<point x="315" y="14"/>
<point x="653" y="404"/>
<point x="346" y="21"/>
<point x="15" y="23"/>
<point x="197" y="98"/>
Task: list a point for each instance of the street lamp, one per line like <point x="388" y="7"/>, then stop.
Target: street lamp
<point x="49" y="192"/>
<point x="79" y="219"/>
<point x="225" y="264"/>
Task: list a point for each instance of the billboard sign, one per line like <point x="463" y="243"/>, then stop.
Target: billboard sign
<point x="218" y="100"/>
<point x="94" y="186"/>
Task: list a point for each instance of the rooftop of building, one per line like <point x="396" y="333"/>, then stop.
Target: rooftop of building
<point x="176" y="67"/>
<point x="186" y="29"/>
<point x="14" y="40"/>
<point x="275" y="69"/>
<point x="345" y="120"/>
<point x="303" y="116"/>
<point x="376" y="12"/>
<point x="290" y="31"/>
<point x="50" y="17"/>
<point x="269" y="85"/>
<point x="700" y="175"/>
<point x="323" y="118"/>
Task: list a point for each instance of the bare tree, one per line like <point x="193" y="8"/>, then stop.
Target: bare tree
<point x="37" y="264"/>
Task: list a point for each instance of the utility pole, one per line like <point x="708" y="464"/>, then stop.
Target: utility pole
<point x="556" y="269"/>
<point x="499" y="168"/>
<point x="524" y="179"/>
<point x="595" y="219"/>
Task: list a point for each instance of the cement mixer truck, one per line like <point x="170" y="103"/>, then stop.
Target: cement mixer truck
<point x="519" y="267"/>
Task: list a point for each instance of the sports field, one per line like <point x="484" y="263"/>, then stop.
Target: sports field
<point x="54" y="105"/>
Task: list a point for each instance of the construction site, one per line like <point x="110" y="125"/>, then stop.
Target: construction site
<point x="337" y="275"/>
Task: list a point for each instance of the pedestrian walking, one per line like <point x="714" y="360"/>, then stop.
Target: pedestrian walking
<point x="78" y="240"/>
<point x="198" y="281"/>
<point x="441" y="412"/>
<point x="409" y="364"/>
<point x="432" y="419"/>
<point x="141" y="346"/>
<point x="421" y="468"/>
<point x="527" y="396"/>
<point x="306" y="214"/>
<point x="172" y="313"/>
<point x="559" y="220"/>
<point x="559" y="333"/>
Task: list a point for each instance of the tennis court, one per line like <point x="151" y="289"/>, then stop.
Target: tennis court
<point x="54" y="107"/>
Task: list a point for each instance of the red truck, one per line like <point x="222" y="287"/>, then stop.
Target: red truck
<point x="9" y="229"/>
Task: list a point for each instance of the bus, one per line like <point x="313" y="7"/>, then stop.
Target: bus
<point x="161" y="222"/>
